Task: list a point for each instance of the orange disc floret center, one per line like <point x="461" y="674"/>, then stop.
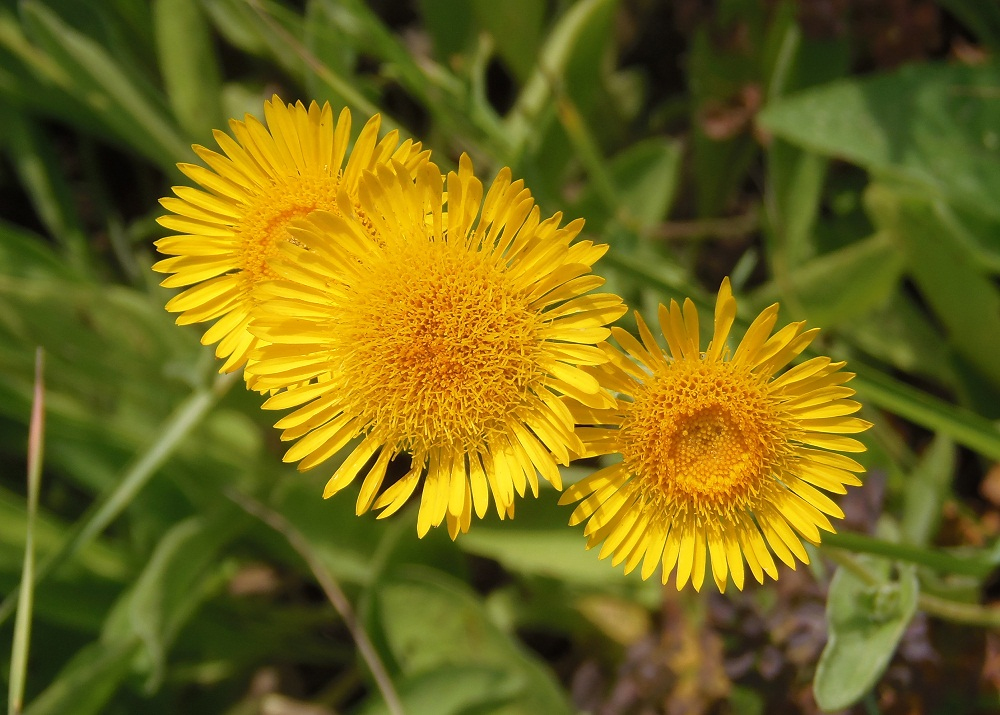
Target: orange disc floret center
<point x="265" y="221"/>
<point x="442" y="348"/>
<point x="702" y="435"/>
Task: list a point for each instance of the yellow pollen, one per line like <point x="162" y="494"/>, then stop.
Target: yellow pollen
<point x="439" y="350"/>
<point x="702" y="436"/>
<point x="266" y="219"/>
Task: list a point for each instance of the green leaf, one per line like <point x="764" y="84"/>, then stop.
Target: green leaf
<point x="129" y="111"/>
<point x="927" y="486"/>
<point x="96" y="557"/>
<point x="25" y="255"/>
<point x="795" y="188"/>
<point x="900" y="334"/>
<point x="452" y="690"/>
<point x="25" y="603"/>
<point x="568" y="48"/>
<point x="43" y="178"/>
<point x="934" y="125"/>
<point x="516" y="27"/>
<point x="945" y="270"/>
<point x="645" y="179"/>
<point x="962" y="425"/>
<point x="189" y="66"/>
<point x="86" y="684"/>
<point x="539" y="543"/>
<point x="983" y="18"/>
<point x="430" y="621"/>
<point x="450" y="24"/>
<point x="236" y="22"/>
<point x="837" y="287"/>
<point x="176" y="580"/>
<point x="865" y="625"/>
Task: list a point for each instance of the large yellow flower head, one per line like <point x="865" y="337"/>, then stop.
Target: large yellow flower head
<point x="720" y="457"/>
<point x="268" y="177"/>
<point x="448" y="338"/>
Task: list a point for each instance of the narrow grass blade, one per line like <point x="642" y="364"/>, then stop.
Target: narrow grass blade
<point x="22" y="625"/>
<point x="187" y="415"/>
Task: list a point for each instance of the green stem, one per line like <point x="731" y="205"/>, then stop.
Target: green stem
<point x="22" y="625"/>
<point x="331" y="587"/>
<point x="969" y="614"/>
<point x="185" y="418"/>
<point x="946" y="563"/>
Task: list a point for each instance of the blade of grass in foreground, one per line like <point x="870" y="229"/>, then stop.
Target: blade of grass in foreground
<point x="188" y="414"/>
<point x="22" y="625"/>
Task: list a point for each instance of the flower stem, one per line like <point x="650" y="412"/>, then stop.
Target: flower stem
<point x="978" y="567"/>
<point x="331" y="588"/>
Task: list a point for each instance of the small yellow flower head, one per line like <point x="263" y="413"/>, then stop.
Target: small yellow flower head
<point x="720" y="457"/>
<point x="268" y="177"/>
<point x="451" y="337"/>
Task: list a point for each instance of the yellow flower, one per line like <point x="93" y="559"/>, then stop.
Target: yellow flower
<point x="268" y="177"/>
<point x="720" y="458"/>
<point x="447" y="339"/>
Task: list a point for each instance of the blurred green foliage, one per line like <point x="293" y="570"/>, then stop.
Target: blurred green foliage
<point x="702" y="140"/>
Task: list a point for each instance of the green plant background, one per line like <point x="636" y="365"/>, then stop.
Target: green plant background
<point x="859" y="187"/>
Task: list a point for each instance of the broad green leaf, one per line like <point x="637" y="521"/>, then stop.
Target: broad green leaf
<point x="865" y="624"/>
<point x="938" y="258"/>
<point x="88" y="681"/>
<point x="176" y="580"/>
<point x="934" y="125"/>
<point x="927" y="486"/>
<point x="837" y="287"/>
<point x="189" y="66"/>
<point x="452" y="690"/>
<point x="431" y="621"/>
<point x="129" y="111"/>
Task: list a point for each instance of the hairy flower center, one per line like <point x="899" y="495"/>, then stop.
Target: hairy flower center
<point x="266" y="219"/>
<point x="702" y="435"/>
<point x="441" y="350"/>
